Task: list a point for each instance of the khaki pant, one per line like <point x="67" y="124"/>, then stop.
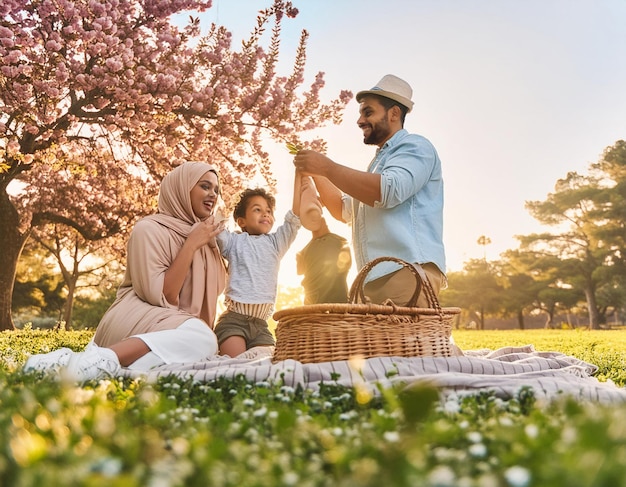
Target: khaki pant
<point x="399" y="286"/>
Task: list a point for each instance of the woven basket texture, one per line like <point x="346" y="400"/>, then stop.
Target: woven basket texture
<point x="341" y="331"/>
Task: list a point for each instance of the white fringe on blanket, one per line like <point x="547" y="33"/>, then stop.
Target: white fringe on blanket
<point x="504" y="372"/>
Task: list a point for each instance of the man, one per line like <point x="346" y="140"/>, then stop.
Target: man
<point x="395" y="207"/>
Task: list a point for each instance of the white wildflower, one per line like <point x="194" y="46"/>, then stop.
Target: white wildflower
<point x="531" y="430"/>
<point x="259" y="413"/>
<point x="478" y="450"/>
<point x="475" y="437"/>
<point x="109" y="467"/>
<point x="506" y="421"/>
<point x="391" y="436"/>
<point x="290" y="478"/>
<point x="442" y="476"/>
<point x="452" y="406"/>
<point x="517" y="476"/>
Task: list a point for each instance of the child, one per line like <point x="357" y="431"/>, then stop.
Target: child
<point x="325" y="263"/>
<point x="253" y="257"/>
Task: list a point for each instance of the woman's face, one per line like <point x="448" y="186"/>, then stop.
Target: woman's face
<point x="204" y="195"/>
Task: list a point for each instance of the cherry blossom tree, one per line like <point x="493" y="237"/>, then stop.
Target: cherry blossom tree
<point x="100" y="98"/>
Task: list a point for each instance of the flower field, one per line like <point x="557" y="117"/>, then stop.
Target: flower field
<point x="127" y="433"/>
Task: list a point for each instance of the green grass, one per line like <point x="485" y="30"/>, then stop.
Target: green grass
<point x="126" y="433"/>
<point x="606" y="349"/>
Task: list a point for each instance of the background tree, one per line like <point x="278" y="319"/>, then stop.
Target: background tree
<point x="80" y="261"/>
<point x="611" y="200"/>
<point x="103" y="98"/>
<point x="88" y="309"/>
<point x="534" y="283"/>
<point x="518" y="293"/>
<point x="483" y="241"/>
<point x="587" y="246"/>
<point x="38" y="287"/>
<point x="611" y="224"/>
<point x="476" y="289"/>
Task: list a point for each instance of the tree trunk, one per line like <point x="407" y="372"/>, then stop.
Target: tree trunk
<point x="520" y="319"/>
<point x="548" y="324"/>
<point x="11" y="243"/>
<point x="592" y="308"/>
<point x="69" y="305"/>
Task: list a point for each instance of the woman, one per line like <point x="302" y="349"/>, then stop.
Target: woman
<point x="166" y="305"/>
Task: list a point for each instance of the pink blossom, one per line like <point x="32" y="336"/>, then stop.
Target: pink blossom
<point x="114" y="64"/>
<point x="61" y="75"/>
<point x="12" y="57"/>
<point x="8" y="71"/>
<point x="13" y="146"/>
<point x="53" y="45"/>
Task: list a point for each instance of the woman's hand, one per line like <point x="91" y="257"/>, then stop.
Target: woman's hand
<point x="204" y="233"/>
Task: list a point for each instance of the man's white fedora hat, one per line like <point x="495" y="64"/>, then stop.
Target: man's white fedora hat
<point x="391" y="86"/>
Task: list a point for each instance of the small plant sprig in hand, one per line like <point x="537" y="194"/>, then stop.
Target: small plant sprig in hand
<point x="293" y="148"/>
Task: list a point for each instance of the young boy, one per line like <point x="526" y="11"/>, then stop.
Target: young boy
<point x="253" y="257"/>
<point x="325" y="263"/>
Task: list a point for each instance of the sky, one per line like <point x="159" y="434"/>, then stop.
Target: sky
<point x="513" y="94"/>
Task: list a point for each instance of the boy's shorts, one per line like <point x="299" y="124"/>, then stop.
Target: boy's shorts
<point x="255" y="331"/>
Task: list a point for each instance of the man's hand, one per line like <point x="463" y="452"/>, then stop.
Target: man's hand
<point x="312" y="163"/>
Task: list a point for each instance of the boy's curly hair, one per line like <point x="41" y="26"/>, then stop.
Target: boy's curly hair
<point x="244" y="198"/>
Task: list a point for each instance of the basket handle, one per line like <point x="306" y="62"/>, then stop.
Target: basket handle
<point x="421" y="279"/>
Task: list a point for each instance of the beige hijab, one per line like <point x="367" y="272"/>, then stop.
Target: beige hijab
<point x="175" y="210"/>
<point x="176" y="213"/>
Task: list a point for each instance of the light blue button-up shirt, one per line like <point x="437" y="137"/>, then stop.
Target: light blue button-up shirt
<point x="408" y="221"/>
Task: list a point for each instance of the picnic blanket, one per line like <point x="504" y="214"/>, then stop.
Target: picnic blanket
<point x="504" y="371"/>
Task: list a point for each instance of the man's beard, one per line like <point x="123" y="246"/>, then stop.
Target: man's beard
<point x="379" y="132"/>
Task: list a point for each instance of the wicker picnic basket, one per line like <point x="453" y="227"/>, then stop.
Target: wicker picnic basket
<point x="338" y="331"/>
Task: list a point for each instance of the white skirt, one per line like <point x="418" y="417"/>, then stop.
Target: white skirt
<point x="190" y="342"/>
